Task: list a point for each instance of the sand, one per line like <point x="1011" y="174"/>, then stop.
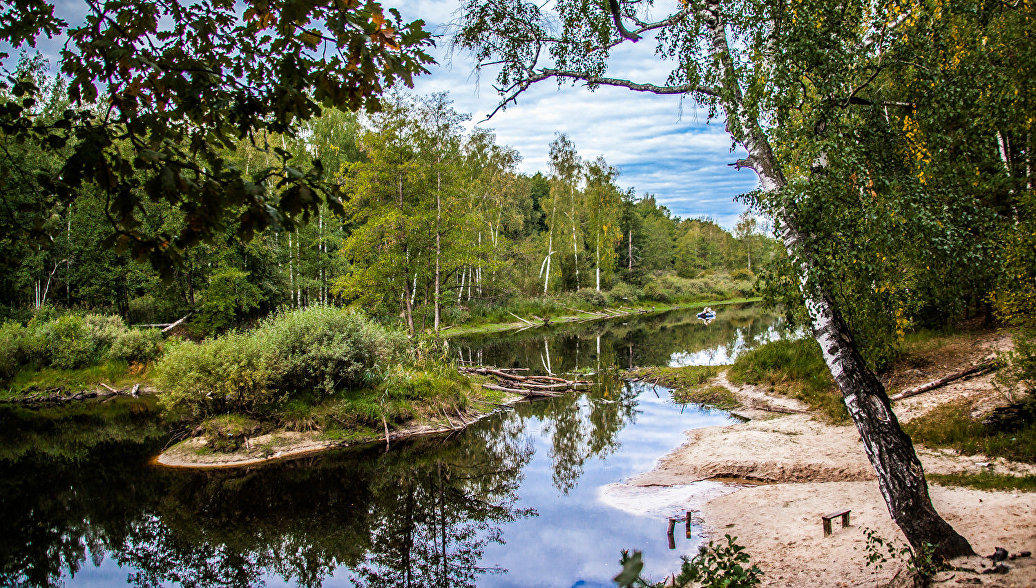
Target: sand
<point x="810" y="468"/>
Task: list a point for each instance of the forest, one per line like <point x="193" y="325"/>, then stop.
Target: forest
<point x="438" y="227"/>
<point x="248" y="211"/>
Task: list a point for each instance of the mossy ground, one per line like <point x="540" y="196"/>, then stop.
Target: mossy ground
<point x="419" y="398"/>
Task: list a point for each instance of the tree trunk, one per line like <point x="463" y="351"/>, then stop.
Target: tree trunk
<point x="891" y="453"/>
<point x="438" y="247"/>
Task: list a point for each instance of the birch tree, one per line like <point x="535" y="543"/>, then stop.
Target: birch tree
<point x="602" y="199"/>
<point x="565" y="167"/>
<point x="574" y="42"/>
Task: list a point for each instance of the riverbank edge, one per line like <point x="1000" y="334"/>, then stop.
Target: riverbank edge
<point x="642" y="309"/>
<point x="185" y="454"/>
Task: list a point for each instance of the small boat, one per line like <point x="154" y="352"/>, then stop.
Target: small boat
<point x="707" y="314"/>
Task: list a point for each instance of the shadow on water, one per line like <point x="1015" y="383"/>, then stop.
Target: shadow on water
<point x="527" y="497"/>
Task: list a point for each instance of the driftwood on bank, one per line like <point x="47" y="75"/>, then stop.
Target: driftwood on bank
<point x="525" y="385"/>
<point x="975" y="370"/>
<point x="60" y="396"/>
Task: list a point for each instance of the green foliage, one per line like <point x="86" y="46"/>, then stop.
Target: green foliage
<point x="323" y="349"/>
<point x="952" y="425"/>
<point x="113" y="372"/>
<point x="11" y="349"/>
<point x="226" y="374"/>
<point x="623" y="293"/>
<point x="228" y="297"/>
<point x="303" y="354"/>
<point x="216" y="74"/>
<point x="921" y="562"/>
<point x="71" y="342"/>
<point x="717" y="565"/>
<point x="795" y="368"/>
<point x="68" y="342"/>
<point x="137" y="345"/>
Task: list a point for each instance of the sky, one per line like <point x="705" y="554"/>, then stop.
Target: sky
<point x="662" y="145"/>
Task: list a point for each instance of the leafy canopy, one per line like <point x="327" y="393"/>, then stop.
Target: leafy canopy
<point x="161" y="92"/>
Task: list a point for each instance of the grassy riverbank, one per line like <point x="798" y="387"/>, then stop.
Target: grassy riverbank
<point x="564" y="314"/>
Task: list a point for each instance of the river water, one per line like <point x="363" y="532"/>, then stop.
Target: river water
<point x="532" y="496"/>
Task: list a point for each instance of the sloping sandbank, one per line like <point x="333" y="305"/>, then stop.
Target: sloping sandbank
<point x="810" y="468"/>
<point x="194" y="452"/>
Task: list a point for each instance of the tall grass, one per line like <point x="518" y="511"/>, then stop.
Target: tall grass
<point x="793" y="368"/>
<point x="951" y="425"/>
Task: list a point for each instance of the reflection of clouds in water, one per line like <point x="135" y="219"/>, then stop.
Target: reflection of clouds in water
<point x="725" y="354"/>
<point x="660" y="502"/>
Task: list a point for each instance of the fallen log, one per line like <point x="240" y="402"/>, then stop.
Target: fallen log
<point x="520" y="391"/>
<point x="564" y="386"/>
<point x="176" y="323"/>
<point x="976" y="370"/>
<point x="519" y="318"/>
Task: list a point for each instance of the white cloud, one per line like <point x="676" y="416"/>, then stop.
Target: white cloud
<point x="660" y="144"/>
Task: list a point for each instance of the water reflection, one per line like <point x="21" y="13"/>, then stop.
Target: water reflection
<point x="675" y="338"/>
<point x="516" y="500"/>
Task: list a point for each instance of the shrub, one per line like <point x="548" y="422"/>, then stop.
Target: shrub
<point x="227" y="374"/>
<point x="656" y="290"/>
<point x="592" y="297"/>
<point x="302" y="354"/>
<point x="323" y="349"/>
<point x="136" y="345"/>
<point x="104" y="329"/>
<point x="12" y="338"/>
<point x="622" y="291"/>
<point x="68" y="343"/>
<point x="742" y="274"/>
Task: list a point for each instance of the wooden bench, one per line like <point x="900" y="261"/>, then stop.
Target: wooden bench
<point x="829" y="517"/>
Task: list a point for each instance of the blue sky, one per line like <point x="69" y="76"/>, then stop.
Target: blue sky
<point x="660" y="144"/>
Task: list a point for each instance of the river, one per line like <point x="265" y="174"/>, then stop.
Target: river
<point x="531" y="496"/>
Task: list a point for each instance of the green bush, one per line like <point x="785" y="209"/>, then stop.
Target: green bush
<point x="742" y="274"/>
<point x="323" y="349"/>
<point x="226" y="374"/>
<point x="104" y="329"/>
<point x="68" y="343"/>
<point x="309" y="354"/>
<point x="657" y="291"/>
<point x="136" y="345"/>
<point x="592" y="297"/>
<point x="12" y="338"/>
<point x="623" y="292"/>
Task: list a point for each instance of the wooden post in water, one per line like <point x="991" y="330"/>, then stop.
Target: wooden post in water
<point x="669" y="533"/>
<point x="687" y="523"/>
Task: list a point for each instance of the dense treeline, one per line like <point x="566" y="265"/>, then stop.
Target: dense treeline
<point x="437" y="224"/>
